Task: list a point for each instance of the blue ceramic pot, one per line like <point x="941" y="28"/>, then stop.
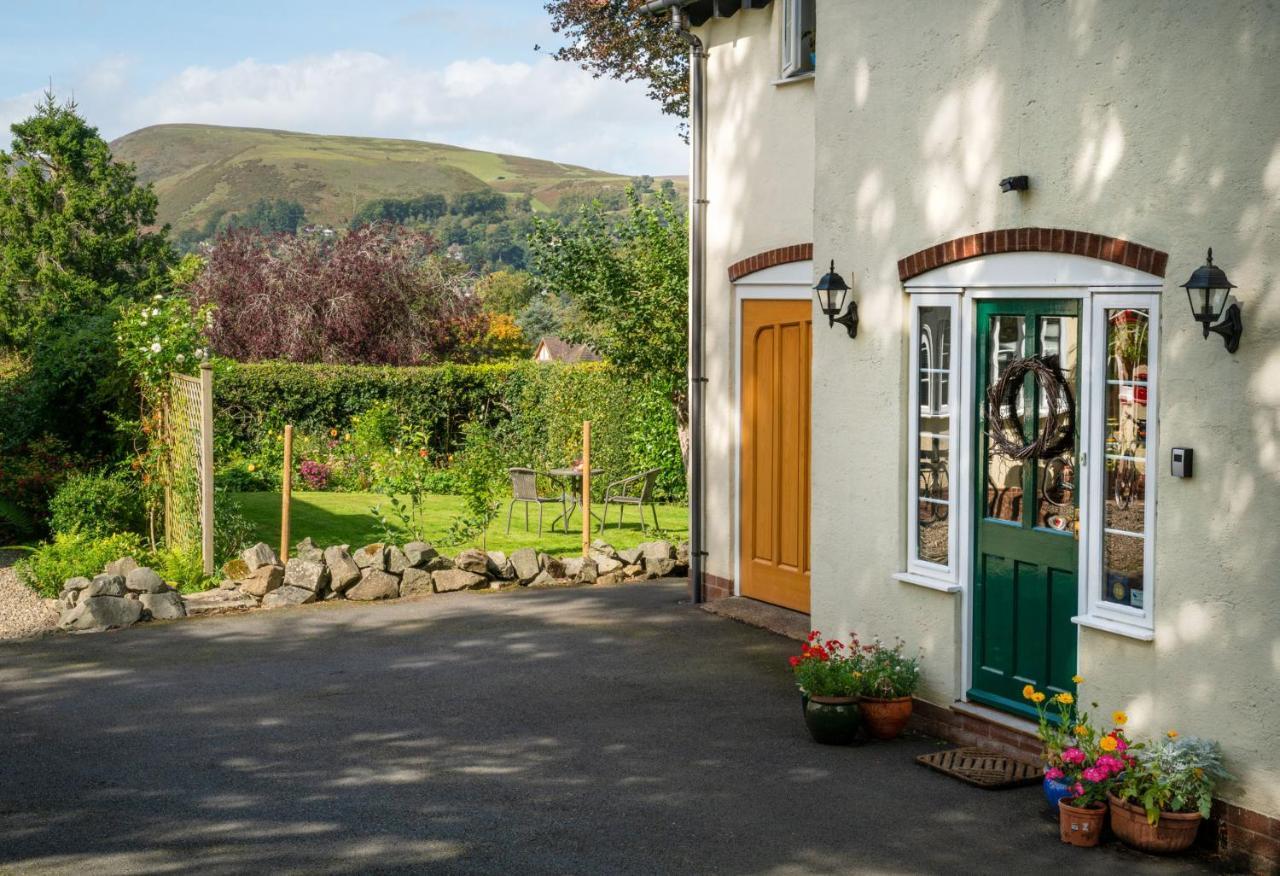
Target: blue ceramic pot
<point x="1054" y="791"/>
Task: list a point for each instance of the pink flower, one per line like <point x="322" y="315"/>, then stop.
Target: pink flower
<point x="1077" y="789"/>
<point x="1053" y="773"/>
<point x="1111" y="764"/>
<point x="1121" y="745"/>
<point x="1073" y="755"/>
<point x="1096" y="774"/>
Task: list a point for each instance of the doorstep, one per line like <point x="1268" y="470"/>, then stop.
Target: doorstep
<point x="971" y="724"/>
<point x="774" y="618"/>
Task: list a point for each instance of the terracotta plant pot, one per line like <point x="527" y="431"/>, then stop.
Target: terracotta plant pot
<point x="832" y="720"/>
<point x="1174" y="832"/>
<point x="1080" y="825"/>
<point x="886" y="718"/>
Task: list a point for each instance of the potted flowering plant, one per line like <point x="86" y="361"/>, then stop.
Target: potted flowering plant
<point x="1160" y="800"/>
<point x="1056" y="731"/>
<point x="1089" y="769"/>
<point x="829" y="677"/>
<point x="889" y="678"/>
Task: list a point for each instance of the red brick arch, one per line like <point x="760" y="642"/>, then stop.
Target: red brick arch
<point x="1085" y="243"/>
<point x="797" y="252"/>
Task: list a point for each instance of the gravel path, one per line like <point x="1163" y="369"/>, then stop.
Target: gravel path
<point x="22" y="612"/>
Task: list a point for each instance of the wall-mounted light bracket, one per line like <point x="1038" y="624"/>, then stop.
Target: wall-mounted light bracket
<point x="1015" y="184"/>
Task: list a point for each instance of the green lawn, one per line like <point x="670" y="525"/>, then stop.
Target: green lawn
<point x="344" y="518"/>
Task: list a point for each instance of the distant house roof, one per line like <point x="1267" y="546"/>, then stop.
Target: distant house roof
<point x="553" y="349"/>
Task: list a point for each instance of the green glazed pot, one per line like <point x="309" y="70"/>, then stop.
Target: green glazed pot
<point x="832" y="720"/>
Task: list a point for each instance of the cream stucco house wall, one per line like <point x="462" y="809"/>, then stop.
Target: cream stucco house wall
<point x="1149" y="131"/>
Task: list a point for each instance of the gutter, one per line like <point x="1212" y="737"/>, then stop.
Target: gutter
<point x="697" y="277"/>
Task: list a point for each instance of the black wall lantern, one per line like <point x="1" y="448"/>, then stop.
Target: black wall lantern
<point x="1208" y="291"/>
<point x="831" y="291"/>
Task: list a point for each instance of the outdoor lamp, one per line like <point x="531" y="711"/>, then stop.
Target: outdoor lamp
<point x="1208" y="290"/>
<point x="831" y="290"/>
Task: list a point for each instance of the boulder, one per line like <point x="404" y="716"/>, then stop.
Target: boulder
<point x="551" y="565"/>
<point x="306" y="574"/>
<point x="105" y="585"/>
<point x="79" y="583"/>
<point x="438" y="564"/>
<point x="659" y="568"/>
<point x="602" y="547"/>
<point x="375" y="584"/>
<point x="262" y="581"/>
<point x="330" y="593"/>
<point x="632" y="571"/>
<point x="657" y="550"/>
<point x="218" y="602"/>
<point x="472" y="560"/>
<point x="308" y="550"/>
<point x="605" y="565"/>
<point x="343" y="571"/>
<point x="611" y="578"/>
<point x="235" y="569"/>
<point x="144" y="580"/>
<point x="121" y="567"/>
<point x="67" y="598"/>
<point x="287" y="595"/>
<point x="259" y="555"/>
<point x="228" y="584"/>
<point x="631" y="556"/>
<point x="587" y="572"/>
<point x="101" y="612"/>
<point x="415" y="581"/>
<point x="500" y="567"/>
<point x="371" y="556"/>
<point x="419" y="553"/>
<point x="450" y="580"/>
<point x="525" y="562"/>
<point x="543" y="579"/>
<point x="397" y="561"/>
<point x="572" y="566"/>
<point x="163" y="606"/>
<point x="682" y="554"/>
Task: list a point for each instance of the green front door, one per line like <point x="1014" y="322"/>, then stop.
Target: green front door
<point x="1025" y="543"/>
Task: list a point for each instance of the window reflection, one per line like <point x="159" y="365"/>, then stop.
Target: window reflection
<point x="1125" y="411"/>
<point x="1004" y="475"/>
<point x="1056" y="477"/>
<point x="934" y="425"/>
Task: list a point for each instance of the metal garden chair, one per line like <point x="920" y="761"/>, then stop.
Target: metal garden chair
<point x="636" y="490"/>
<point x="524" y="488"/>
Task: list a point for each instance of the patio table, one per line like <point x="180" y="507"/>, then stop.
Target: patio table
<point x="573" y="479"/>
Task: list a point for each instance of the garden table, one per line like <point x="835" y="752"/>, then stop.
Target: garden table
<point x="572" y="478"/>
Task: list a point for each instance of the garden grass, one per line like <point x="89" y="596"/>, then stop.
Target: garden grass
<point x="344" y="518"/>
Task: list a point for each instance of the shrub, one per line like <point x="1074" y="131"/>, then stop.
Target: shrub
<point x="1173" y="775"/>
<point x="314" y="474"/>
<point x="71" y="554"/>
<point x="887" y="673"/>
<point x="827" y="668"/>
<point x="98" y="504"/>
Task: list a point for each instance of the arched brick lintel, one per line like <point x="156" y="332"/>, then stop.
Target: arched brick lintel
<point x="1094" y="246"/>
<point x="797" y="252"/>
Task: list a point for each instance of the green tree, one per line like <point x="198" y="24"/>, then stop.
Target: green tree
<point x="505" y="291"/>
<point x="626" y="283"/>
<point x="276" y="215"/>
<point x="72" y="225"/>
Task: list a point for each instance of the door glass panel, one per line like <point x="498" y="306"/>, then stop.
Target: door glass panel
<point x="1125" y="482"/>
<point x="1004" y="475"/>
<point x="1056" y="497"/>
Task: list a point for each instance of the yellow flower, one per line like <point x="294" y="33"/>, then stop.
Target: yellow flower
<point x="1077" y="679"/>
<point x="333" y="433"/>
<point x="1120" y="718"/>
<point x="1082" y="730"/>
<point x="1028" y="692"/>
<point x="1172" y="734"/>
<point x="1065" y="698"/>
<point x="252" y="467"/>
<point x="1037" y="697"/>
<point x="346" y="437"/>
<point x="1107" y="743"/>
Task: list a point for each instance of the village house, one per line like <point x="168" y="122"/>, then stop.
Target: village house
<point x="1020" y="448"/>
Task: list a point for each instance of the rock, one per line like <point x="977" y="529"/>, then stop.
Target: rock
<point x="415" y="581"/>
<point x="105" y="585"/>
<point x="602" y="547"/>
<point x="551" y="565"/>
<point x="79" y="583"/>
<point x="144" y="580"/>
<point x="308" y="550"/>
<point x="438" y="564"/>
<point x="633" y="570"/>
<point x="572" y="566"/>
<point x="500" y="567"/>
<point x="218" y="602"/>
<point x="682" y="554"/>
<point x="605" y="565"/>
<point x="235" y="569"/>
<point x="587" y="572"/>
<point x="397" y="561"/>
<point x="371" y="556"/>
<point x="67" y="598"/>
<point x="609" y="579"/>
<point x="472" y="560"/>
<point x="121" y="567"/>
<point x="657" y="550"/>
<point x="375" y="584"/>
<point x="330" y="593"/>
<point x="543" y="579"/>
<point x="262" y="581"/>
<point x="259" y="555"/>
<point x="450" y="580"/>
<point x="343" y="571"/>
<point x="228" y="584"/>
<point x="419" y="553"/>
<point x="659" y="568"/>
<point x="101" y="612"/>
<point x="306" y="574"/>
<point x="163" y="606"/>
<point x="288" y="595"/>
<point x="525" y="562"/>
<point x="630" y="556"/>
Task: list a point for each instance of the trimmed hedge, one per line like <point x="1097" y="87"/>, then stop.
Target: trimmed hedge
<point x="533" y="410"/>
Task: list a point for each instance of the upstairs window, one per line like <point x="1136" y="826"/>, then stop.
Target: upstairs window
<point x="799" y="46"/>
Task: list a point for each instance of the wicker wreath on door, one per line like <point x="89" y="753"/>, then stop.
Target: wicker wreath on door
<point x="1004" y="425"/>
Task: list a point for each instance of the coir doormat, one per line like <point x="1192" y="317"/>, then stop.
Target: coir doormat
<point x="982" y="767"/>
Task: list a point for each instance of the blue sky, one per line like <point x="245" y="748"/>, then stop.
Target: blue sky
<point x="462" y="72"/>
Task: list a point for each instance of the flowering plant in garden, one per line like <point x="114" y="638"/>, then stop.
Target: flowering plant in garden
<point x="162" y="335"/>
<point x="1056" y="728"/>
<point x="314" y="474"/>
<point x="1078" y="753"/>
<point x="1173" y="774"/>
<point x="828" y="668"/>
<point x="887" y="672"/>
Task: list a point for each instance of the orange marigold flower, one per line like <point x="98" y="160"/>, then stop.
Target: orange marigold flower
<point x="1107" y="743"/>
<point x="1172" y="734"/>
<point x="1065" y="698"/>
<point x="1081" y="730"/>
<point x="1028" y="692"/>
<point x="1077" y="679"/>
<point x="1120" y="718"/>
<point x="1037" y="697"/>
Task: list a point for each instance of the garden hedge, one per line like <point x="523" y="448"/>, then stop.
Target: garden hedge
<point x="534" y="410"/>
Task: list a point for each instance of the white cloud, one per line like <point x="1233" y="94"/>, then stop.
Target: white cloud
<point x="544" y="109"/>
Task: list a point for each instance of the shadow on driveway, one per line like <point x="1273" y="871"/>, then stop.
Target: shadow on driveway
<point x="571" y="731"/>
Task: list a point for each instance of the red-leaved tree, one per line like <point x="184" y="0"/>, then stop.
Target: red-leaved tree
<point x="378" y="295"/>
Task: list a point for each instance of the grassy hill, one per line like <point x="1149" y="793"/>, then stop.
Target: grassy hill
<point x="199" y="170"/>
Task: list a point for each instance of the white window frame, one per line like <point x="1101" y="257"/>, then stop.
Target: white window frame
<point x="794" y="24"/>
<point x="1096" y="612"/>
<point x="919" y="571"/>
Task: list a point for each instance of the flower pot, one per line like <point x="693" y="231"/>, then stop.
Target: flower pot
<point x="831" y="720"/>
<point x="1080" y="825"/>
<point x="1055" y="790"/>
<point x="1174" y="832"/>
<point x="886" y="718"/>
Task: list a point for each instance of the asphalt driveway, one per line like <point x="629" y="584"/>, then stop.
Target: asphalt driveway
<point x="601" y="730"/>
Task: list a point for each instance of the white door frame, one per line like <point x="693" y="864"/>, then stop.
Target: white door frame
<point x="789" y="282"/>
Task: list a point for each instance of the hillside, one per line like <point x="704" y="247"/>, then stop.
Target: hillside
<point x="201" y="170"/>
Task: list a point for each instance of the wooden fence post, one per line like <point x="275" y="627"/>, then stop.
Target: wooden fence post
<point x="287" y="488"/>
<point x="586" y="488"/>
<point x="206" y="466"/>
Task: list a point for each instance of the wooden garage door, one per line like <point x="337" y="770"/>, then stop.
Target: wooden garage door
<point x="776" y="345"/>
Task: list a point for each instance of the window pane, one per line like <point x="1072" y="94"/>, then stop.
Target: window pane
<point x="1057" y="492"/>
<point x="1122" y="563"/>
<point x="932" y="541"/>
<point x="933" y="424"/>
<point x="935" y="475"/>
<point x="1055" y="478"/>
<point x="1126" y="495"/>
<point x="1004" y="476"/>
<point x="1127" y="344"/>
<point x="1125" y="481"/>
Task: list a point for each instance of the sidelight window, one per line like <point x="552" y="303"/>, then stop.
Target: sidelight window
<point x="933" y="423"/>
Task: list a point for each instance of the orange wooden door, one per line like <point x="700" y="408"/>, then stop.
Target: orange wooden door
<point x="774" y="527"/>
